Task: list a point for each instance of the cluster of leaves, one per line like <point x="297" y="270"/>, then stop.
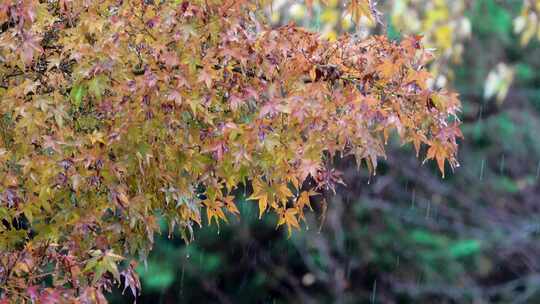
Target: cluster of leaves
<point x="115" y="113"/>
<point x="408" y="236"/>
<point x="443" y="24"/>
<point x="329" y="17"/>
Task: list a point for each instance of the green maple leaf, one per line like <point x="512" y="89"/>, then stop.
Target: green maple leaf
<point x="77" y="94"/>
<point x="97" y="86"/>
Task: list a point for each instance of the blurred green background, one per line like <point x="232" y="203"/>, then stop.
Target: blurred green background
<point x="405" y="235"/>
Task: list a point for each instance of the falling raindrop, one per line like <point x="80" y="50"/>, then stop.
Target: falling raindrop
<point x="397" y="261"/>
<point x="501" y="165"/>
<point x="413" y="200"/>
<point x="428" y="210"/>
<point x="374" y="292"/>
<point x="482" y="169"/>
<point x="162" y="295"/>
<point x="480" y="112"/>
<point x="538" y="169"/>
<point x="477" y="126"/>
<point x="182" y="281"/>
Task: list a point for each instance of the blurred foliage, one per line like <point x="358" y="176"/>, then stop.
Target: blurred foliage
<point x="527" y="23"/>
<point x="405" y="235"/>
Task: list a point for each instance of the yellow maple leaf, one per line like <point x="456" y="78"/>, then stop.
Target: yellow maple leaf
<point x="359" y="8"/>
<point x="96" y="137"/>
<point x="261" y="195"/>
<point x="289" y="218"/>
<point x="303" y="199"/>
<point x="214" y="211"/>
<point x="230" y="205"/>
<point x="438" y="152"/>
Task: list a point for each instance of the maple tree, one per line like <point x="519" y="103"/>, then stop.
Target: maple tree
<point x="115" y="114"/>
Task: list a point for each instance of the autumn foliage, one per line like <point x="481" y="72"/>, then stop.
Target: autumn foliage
<point x="117" y="113"/>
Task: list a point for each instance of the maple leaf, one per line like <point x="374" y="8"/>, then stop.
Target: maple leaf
<point x="450" y="133"/>
<point x="308" y="167"/>
<point x="389" y="68"/>
<point x="417" y="138"/>
<point x="359" y="8"/>
<point x="439" y="152"/>
<point x="271" y="108"/>
<point x="289" y="218"/>
<point x="170" y="59"/>
<point x="230" y="205"/>
<point x="30" y="46"/>
<point x="206" y="77"/>
<point x="77" y="93"/>
<point x="260" y="194"/>
<point x="283" y="192"/>
<point x="214" y="211"/>
<point x="96" y="137"/>
<point x="96" y="86"/>
<point x="303" y="199"/>
<point x="175" y="96"/>
<point x="131" y="279"/>
<point x="235" y="102"/>
<point x="419" y="78"/>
